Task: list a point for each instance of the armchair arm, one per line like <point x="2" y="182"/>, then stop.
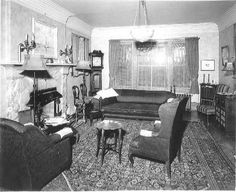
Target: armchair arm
<point x="35" y="141"/>
<point x="13" y="124"/>
<point x="147" y="133"/>
<point x="62" y="134"/>
<point x="49" y="163"/>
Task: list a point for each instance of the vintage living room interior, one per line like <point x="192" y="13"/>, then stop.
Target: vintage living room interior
<point x="117" y="95"/>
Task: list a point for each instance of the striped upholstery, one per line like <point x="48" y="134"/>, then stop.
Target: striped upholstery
<point x="206" y="109"/>
<point x="207" y="106"/>
<point x="222" y="88"/>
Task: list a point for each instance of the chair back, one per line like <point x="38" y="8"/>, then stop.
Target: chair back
<point x="76" y="92"/>
<point x="83" y="89"/>
<point x="178" y="129"/>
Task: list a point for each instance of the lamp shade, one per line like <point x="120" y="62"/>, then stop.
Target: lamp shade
<point x="142" y="33"/>
<point x="34" y="67"/>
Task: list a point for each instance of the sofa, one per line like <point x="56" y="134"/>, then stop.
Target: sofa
<point x="135" y="104"/>
<point x="29" y="159"/>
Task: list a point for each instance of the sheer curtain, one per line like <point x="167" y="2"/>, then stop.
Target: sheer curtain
<point x="192" y="59"/>
<point x="157" y="69"/>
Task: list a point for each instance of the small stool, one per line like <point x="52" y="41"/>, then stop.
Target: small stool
<point x="109" y="129"/>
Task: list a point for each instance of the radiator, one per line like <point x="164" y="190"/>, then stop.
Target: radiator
<point x="181" y="95"/>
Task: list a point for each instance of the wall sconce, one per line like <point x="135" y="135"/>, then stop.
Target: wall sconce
<point x="26" y="46"/>
<point x="67" y="53"/>
<point x="68" y="50"/>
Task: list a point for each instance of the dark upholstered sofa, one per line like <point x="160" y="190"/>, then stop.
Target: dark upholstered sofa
<point x="135" y="104"/>
<point x="29" y="159"/>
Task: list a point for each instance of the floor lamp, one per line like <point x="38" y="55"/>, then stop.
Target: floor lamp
<point x="83" y="66"/>
<point x="34" y="67"/>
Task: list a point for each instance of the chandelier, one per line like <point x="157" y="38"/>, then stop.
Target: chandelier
<point x="140" y="32"/>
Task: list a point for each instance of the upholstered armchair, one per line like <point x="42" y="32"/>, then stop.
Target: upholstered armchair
<point x="164" y="142"/>
<point x="29" y="159"/>
<point x="207" y="98"/>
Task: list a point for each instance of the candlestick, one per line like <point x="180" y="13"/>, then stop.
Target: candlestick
<point x="33" y="37"/>
<point x="203" y="78"/>
<point x="19" y="53"/>
<point x="208" y="78"/>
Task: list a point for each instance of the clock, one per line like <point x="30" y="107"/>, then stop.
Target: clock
<point x="96" y="59"/>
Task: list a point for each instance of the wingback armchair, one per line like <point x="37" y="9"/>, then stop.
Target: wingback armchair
<point x="164" y="144"/>
<point x="29" y="159"/>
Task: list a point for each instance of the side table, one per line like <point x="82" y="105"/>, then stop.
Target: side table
<point x="112" y="130"/>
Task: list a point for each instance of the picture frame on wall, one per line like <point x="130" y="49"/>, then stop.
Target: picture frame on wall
<point x="45" y="38"/>
<point x="225" y="55"/>
<point x="208" y="65"/>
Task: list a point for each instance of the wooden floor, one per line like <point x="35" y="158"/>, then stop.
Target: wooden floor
<point x="225" y="141"/>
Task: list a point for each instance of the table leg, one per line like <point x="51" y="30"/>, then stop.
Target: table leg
<point x="115" y="142"/>
<point x="103" y="146"/>
<point x="119" y="145"/>
<point x="98" y="141"/>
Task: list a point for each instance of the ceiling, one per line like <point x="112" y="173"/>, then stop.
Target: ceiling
<point x="112" y="13"/>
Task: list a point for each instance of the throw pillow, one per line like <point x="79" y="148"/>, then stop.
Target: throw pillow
<point x="170" y="100"/>
<point x="64" y="132"/>
<point x="107" y="93"/>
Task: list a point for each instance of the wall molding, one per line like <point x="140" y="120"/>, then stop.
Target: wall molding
<point x="57" y="13"/>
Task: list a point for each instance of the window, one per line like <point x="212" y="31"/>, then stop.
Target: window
<point x="80" y="47"/>
<point x="157" y="69"/>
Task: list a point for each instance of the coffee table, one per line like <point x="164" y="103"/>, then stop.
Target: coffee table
<point x="109" y="129"/>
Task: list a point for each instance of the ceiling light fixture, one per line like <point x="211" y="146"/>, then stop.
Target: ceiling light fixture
<point x="140" y="32"/>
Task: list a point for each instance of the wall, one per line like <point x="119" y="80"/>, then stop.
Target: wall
<point x="208" y="44"/>
<point x="16" y="22"/>
<point x="227" y="35"/>
<point x="227" y="39"/>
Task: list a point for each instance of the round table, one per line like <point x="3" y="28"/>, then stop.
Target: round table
<point x="109" y="129"/>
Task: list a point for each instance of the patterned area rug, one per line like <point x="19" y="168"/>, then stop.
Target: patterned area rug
<point x="203" y="165"/>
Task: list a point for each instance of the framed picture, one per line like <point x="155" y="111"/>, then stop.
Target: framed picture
<point x="225" y="55"/>
<point x="45" y="38"/>
<point x="208" y="65"/>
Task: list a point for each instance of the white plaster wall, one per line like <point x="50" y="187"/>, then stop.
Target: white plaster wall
<point x="15" y="88"/>
<point x="208" y="44"/>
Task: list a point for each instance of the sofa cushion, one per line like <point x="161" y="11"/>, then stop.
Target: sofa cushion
<point x="108" y="101"/>
<point x="143" y="96"/>
<point x="143" y="109"/>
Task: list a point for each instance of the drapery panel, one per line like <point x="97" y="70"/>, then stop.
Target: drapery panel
<point x="158" y="68"/>
<point x="120" y="64"/>
<point x="192" y="60"/>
